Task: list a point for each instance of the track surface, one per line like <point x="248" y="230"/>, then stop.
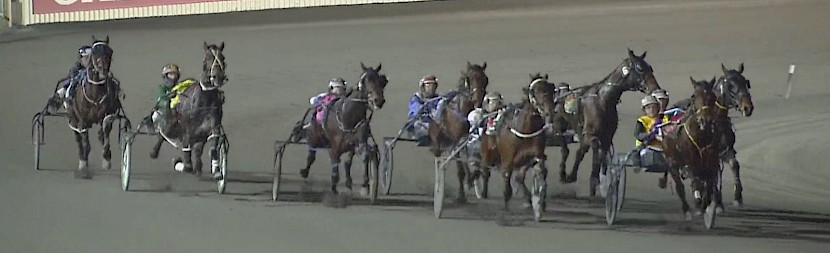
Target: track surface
<point x="277" y="59"/>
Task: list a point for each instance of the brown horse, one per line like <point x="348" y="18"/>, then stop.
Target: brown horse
<point x="346" y="128"/>
<point x="597" y="114"/>
<point x="452" y="126"/>
<point x="520" y="143"/>
<point x="732" y="90"/>
<point x="95" y="102"/>
<point x="197" y="119"/>
<point x="695" y="144"/>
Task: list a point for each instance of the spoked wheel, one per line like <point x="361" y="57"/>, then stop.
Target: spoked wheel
<point x="387" y="163"/>
<point x="38" y="140"/>
<point x="373" y="174"/>
<point x="612" y="196"/>
<point x="539" y="194"/>
<point x="621" y="187"/>
<point x="223" y="164"/>
<point x="275" y="187"/>
<point x="126" y="162"/>
<point x="438" y="193"/>
<point x="478" y="186"/>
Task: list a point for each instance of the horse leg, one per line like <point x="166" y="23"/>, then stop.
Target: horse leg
<point x="462" y="172"/>
<point x="83" y="153"/>
<point x="681" y="191"/>
<point x="563" y="164"/>
<point x="598" y="155"/>
<point x="519" y="179"/>
<point x="312" y="155"/>
<point x="739" y="188"/>
<point x="348" y="166"/>
<point x="154" y="153"/>
<point x="197" y="149"/>
<point x="580" y="154"/>
<point x="508" y="188"/>
<point x="104" y="137"/>
<point x="485" y="179"/>
<point x="366" y="160"/>
<point x="699" y="191"/>
<point x="335" y="169"/>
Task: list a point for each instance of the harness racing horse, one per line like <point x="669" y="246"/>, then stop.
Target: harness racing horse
<point x="95" y="102"/>
<point x="197" y="119"/>
<point x="597" y="114"/>
<point x="520" y="143"/>
<point x="695" y="143"/>
<point x="732" y="91"/>
<point x="451" y="126"/>
<point x="345" y="127"/>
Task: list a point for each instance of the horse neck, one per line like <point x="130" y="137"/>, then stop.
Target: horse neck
<point x="609" y="96"/>
<point x="352" y="111"/>
<point x="528" y="118"/>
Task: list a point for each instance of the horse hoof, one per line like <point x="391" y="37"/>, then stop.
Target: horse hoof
<point x="737" y="204"/>
<point x="563" y="177"/>
<point x="698" y="212"/>
<point x="154" y="155"/>
<point x="106" y="165"/>
<point x="304" y="173"/>
<point x="364" y="191"/>
<point x="719" y="209"/>
<point x="461" y="200"/>
<point x="218" y="176"/>
<point x="179" y="166"/>
<point x="662" y="183"/>
<point x="688" y="216"/>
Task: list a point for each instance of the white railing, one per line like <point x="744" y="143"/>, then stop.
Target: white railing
<point x="55" y="11"/>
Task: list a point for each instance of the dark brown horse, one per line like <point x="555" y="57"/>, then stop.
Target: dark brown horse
<point x="452" y="126"/>
<point x="694" y="143"/>
<point x="597" y="114"/>
<point x="732" y="90"/>
<point x="197" y="119"/>
<point x="520" y="143"/>
<point x="95" y="102"/>
<point x="346" y="128"/>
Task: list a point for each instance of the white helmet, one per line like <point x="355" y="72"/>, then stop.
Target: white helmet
<point x="337" y="82"/>
<point x="660" y="94"/>
<point x="493" y="96"/>
<point x="649" y="99"/>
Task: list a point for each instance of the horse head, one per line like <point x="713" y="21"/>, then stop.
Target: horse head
<point x="637" y="74"/>
<point x="733" y="90"/>
<point x="475" y="81"/>
<point x="373" y="83"/>
<point x="213" y="67"/>
<point x="703" y="104"/>
<point x="541" y="94"/>
<point x="101" y="58"/>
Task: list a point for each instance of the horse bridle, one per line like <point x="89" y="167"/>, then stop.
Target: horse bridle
<point x="95" y="66"/>
<point x="361" y="88"/>
<point x="531" y="95"/>
<point x="730" y="92"/>
<point x="210" y="74"/>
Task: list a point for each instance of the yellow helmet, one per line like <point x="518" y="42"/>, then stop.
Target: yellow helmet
<point x="170" y="68"/>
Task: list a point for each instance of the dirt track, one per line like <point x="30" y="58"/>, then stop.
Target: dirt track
<point x="277" y="59"/>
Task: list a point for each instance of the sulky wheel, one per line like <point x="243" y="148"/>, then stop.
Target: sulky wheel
<point x="387" y="163"/>
<point x="612" y="196"/>
<point x="126" y="162"/>
<point x="223" y="165"/>
<point x="275" y="187"/>
<point x="373" y="174"/>
<point x="38" y="141"/>
<point x="438" y="193"/>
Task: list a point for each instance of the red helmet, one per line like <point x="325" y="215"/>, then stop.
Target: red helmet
<point x="428" y="79"/>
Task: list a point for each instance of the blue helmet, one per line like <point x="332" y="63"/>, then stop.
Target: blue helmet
<point x="84" y="51"/>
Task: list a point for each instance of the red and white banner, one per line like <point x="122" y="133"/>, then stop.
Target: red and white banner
<point x="57" y="6"/>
